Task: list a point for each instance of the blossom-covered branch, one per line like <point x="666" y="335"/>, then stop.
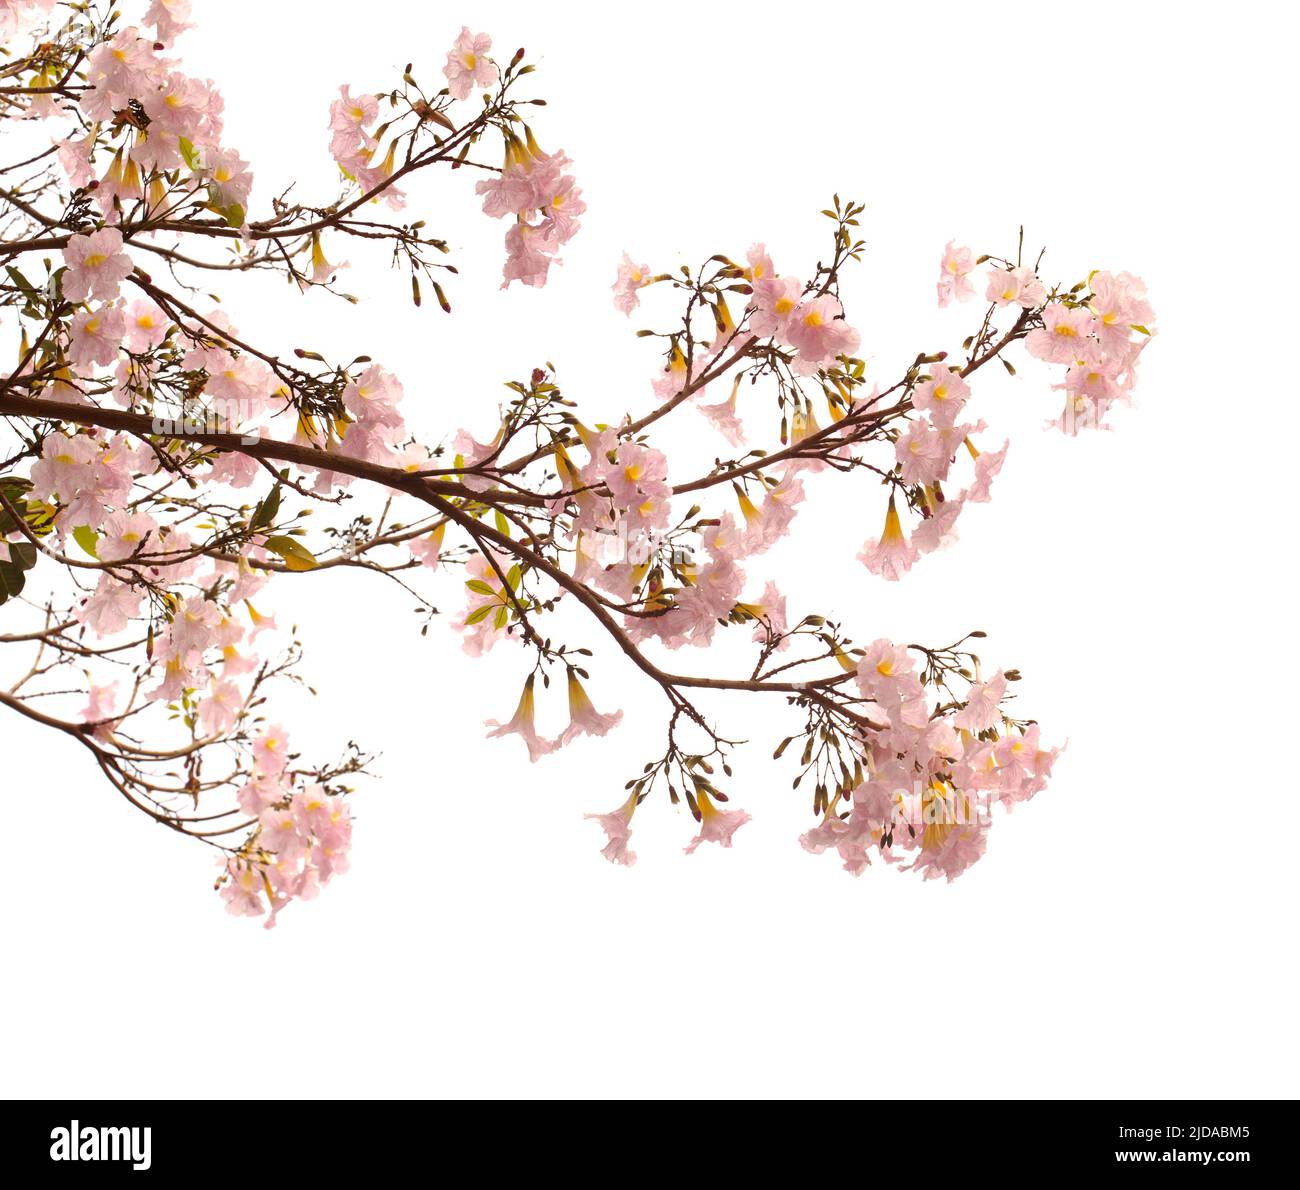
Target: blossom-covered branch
<point x="160" y="467"/>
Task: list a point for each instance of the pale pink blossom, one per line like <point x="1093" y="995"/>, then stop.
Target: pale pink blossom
<point x="983" y="705"/>
<point x="523" y="725"/>
<point x="942" y="395"/>
<point x="723" y="416"/>
<point x="716" y="826"/>
<point x="891" y="555"/>
<point x="468" y="65"/>
<point x="618" y="831"/>
<point x="271" y="750"/>
<point x="229" y="177"/>
<point x="220" y="710"/>
<point x="774" y="302"/>
<point x="987" y="465"/>
<point x="96" y="266"/>
<point x="170" y="18"/>
<point x="954" y="268"/>
<point x="100" y="703"/>
<point x="146" y="326"/>
<point x="111" y="607"/>
<point x="1017" y="285"/>
<point x="125" y="535"/>
<point x="770" y="614"/>
<point x="95" y="336"/>
<point x="584" y="719"/>
<point x="1064" y="336"/>
<point x="242" y="888"/>
<point x="886" y="673"/>
<point x="631" y="277"/>
<point x="938" y="529"/>
<point x="1120" y="304"/>
<point x="922" y="453"/>
<point x="818" y="332"/>
<point x="281" y="833"/>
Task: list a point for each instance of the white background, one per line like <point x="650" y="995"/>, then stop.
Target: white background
<point x="1130" y="932"/>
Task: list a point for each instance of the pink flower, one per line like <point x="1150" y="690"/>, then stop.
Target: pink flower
<point x="271" y="751"/>
<point x="942" y="396"/>
<point x="818" y="332"/>
<point x="938" y="529"/>
<point x="97" y="266"/>
<point x="427" y="550"/>
<point x="99" y="707"/>
<point x="638" y="473"/>
<point x="849" y="838"/>
<point x="281" y="833"/>
<point x="110" y="608"/>
<point x="66" y="466"/>
<point x="886" y="673"/>
<point x="219" y="712"/>
<point x="242" y="888"/>
<point x="716" y="826"/>
<point x="772" y="519"/>
<point x="468" y="65"/>
<point x="631" y="277"/>
<point x="983" y="705"/>
<point x="350" y="114"/>
<point x="987" y="465"/>
<point x="1119" y="302"/>
<point x="618" y="830"/>
<point x="95" y="336"/>
<point x="126" y="534"/>
<point x="953" y="270"/>
<point x="522" y="725"/>
<point x="170" y="18"/>
<point x="1064" y="336"/>
<point x="1018" y="285"/>
<point x="583" y="716"/>
<point x="528" y="256"/>
<point x="228" y="177"/>
<point x="146" y="326"/>
<point x="259" y="793"/>
<point x="770" y="614"/>
<point x="922" y="452"/>
<point x="724" y="419"/>
<point x="774" y="302"/>
<point x="891" y="555"/>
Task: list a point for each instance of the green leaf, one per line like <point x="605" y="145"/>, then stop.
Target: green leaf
<point x="267" y="509"/>
<point x="22" y="554"/>
<point x="478" y="614"/>
<point x="479" y="587"/>
<point x="12" y="581"/>
<point x="512" y="579"/>
<point x="188" y="152"/>
<point x="503" y="525"/>
<point x="87" y="538"/>
<point x="29" y="290"/>
<point x="296" y="555"/>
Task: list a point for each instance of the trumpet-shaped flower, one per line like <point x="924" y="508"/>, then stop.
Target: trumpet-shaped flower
<point x="523" y="725"/>
<point x="716" y="826"/>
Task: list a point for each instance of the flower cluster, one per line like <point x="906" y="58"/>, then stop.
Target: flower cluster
<point x="545" y="201"/>
<point x="934" y="773"/>
<point x="302" y="839"/>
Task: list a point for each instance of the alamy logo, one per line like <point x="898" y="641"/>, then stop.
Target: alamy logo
<point x="101" y="1144"/>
